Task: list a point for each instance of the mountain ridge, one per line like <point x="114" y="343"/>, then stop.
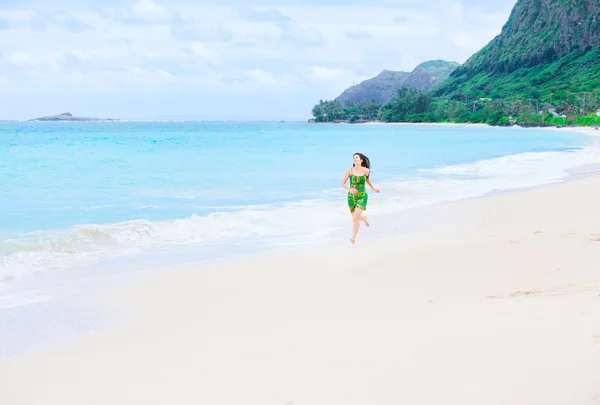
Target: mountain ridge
<point x="384" y="87"/>
<point x="545" y="46"/>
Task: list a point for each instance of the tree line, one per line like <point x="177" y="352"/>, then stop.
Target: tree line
<point x="560" y="108"/>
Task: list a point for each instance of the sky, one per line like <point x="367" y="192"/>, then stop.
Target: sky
<point x="160" y="59"/>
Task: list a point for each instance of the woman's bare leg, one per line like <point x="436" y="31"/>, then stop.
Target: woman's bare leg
<point x="364" y="219"/>
<point x="355" y="224"/>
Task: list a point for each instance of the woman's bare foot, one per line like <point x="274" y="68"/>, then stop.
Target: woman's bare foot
<point x="352" y="241"/>
<point x="364" y="219"/>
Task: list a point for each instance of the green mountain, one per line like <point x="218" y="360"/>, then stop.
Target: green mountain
<point x="548" y="51"/>
<point x="429" y="75"/>
<point x="383" y="87"/>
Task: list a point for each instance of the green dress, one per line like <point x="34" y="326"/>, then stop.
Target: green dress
<point x="361" y="197"/>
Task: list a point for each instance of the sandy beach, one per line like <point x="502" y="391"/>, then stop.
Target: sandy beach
<point x="438" y="124"/>
<point x="501" y="305"/>
<point x="581" y="129"/>
<point x="584" y="130"/>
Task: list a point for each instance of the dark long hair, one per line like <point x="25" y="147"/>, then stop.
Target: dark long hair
<point x="365" y="162"/>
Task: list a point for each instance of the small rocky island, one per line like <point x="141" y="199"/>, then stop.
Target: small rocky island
<point x="70" y="117"/>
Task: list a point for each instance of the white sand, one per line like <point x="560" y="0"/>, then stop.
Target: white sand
<point x="585" y="130"/>
<point x="504" y="309"/>
<point x="441" y="124"/>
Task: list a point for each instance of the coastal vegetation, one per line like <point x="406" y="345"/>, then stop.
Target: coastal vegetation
<point x="566" y="108"/>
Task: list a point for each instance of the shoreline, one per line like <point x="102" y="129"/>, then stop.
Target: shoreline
<point x="80" y="318"/>
<point x="575" y="171"/>
<point x="441" y="124"/>
<point x="449" y="196"/>
<point x="584" y="129"/>
<point x="500" y="280"/>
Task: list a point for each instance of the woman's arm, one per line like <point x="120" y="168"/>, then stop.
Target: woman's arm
<point x="371" y="184"/>
<point x="345" y="180"/>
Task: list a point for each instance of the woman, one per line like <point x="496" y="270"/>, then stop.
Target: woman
<point x="357" y="195"/>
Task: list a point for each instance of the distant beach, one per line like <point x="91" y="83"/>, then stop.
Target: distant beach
<point x="442" y="124"/>
<point x="582" y="129"/>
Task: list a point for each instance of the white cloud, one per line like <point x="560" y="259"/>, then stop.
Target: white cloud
<point x="192" y="31"/>
<point x="358" y="34"/>
<point x="146" y="75"/>
<point x="465" y="40"/>
<point x="262" y="77"/>
<point x="192" y="53"/>
<point x="151" y="11"/>
<point x="165" y="75"/>
<point x="268" y="15"/>
<point x="300" y="36"/>
<point x="452" y="9"/>
<point x="321" y="72"/>
<point x="20" y="58"/>
<point x="203" y="51"/>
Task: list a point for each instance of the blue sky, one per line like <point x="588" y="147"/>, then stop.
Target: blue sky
<point x="220" y="60"/>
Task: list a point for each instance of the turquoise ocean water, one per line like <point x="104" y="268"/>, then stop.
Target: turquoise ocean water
<point x="74" y="194"/>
